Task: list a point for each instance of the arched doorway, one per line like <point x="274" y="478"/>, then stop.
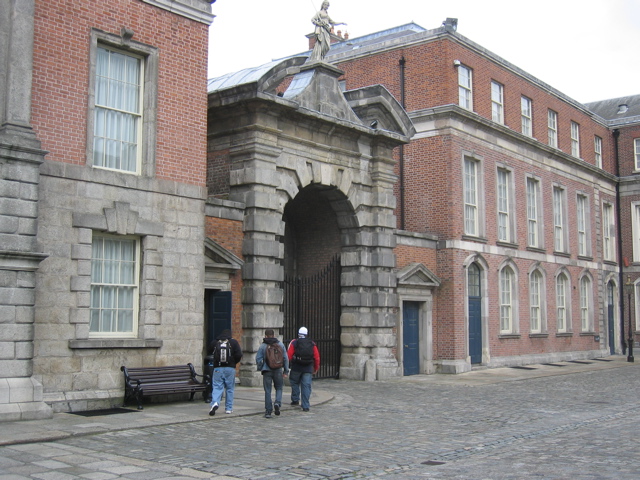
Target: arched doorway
<point x="611" y="317"/>
<point x="312" y="272"/>
<point x="475" y="312"/>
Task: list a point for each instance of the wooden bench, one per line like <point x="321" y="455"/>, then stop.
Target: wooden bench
<point x="147" y="381"/>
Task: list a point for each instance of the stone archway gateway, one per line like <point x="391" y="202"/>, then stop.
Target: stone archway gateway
<point x="276" y="142"/>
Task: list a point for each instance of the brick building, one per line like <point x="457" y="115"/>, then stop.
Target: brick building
<point x="528" y="193"/>
<point x="102" y="194"/>
<point x="142" y="212"/>
<point x="512" y="211"/>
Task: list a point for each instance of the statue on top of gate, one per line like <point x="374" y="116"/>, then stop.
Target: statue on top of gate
<point x="324" y="25"/>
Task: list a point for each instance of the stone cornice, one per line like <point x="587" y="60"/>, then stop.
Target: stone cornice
<point x="198" y="10"/>
<point x="455" y="111"/>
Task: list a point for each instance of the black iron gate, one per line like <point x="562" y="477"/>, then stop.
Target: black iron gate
<point x="314" y="302"/>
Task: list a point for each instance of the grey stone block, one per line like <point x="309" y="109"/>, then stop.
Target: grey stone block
<point x="262" y="248"/>
<point x="262" y="271"/>
<point x="261" y="319"/>
<point x="263" y="223"/>
<point x="81" y="252"/>
<point x="7" y="313"/>
<point x="80" y="284"/>
<point x="15" y="368"/>
<point x="262" y="295"/>
<point x="7" y="350"/>
<point x="24" y="350"/>
<point x="9" y="224"/>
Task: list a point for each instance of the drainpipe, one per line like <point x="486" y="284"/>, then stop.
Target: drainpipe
<point x="616" y="136"/>
<point x="402" y="102"/>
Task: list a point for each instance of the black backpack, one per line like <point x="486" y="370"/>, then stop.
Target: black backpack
<point x="222" y="353"/>
<point x="303" y="351"/>
<point x="274" y="356"/>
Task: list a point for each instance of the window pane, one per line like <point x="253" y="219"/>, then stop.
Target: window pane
<point x="114" y="287"/>
<point x="117" y="111"/>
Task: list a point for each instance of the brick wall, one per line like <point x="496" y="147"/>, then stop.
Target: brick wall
<point x="61" y="67"/>
<point x="228" y="234"/>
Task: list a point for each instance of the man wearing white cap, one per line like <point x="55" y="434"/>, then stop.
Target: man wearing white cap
<point x="305" y="361"/>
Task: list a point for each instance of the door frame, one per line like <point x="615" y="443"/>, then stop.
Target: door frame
<point x="416" y="283"/>
<point x="478" y="299"/>
<point x="611" y="279"/>
<point x="484" y="298"/>
<point x="404" y="331"/>
<point x="425" y="332"/>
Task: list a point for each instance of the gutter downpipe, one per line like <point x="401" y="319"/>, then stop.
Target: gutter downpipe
<point x="402" y="102"/>
<point x="616" y="136"/>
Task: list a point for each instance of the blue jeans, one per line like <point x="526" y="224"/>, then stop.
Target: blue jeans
<point x="300" y="382"/>
<point x="269" y="377"/>
<point x="223" y="378"/>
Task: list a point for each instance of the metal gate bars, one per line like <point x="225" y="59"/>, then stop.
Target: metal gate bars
<point x="314" y="302"/>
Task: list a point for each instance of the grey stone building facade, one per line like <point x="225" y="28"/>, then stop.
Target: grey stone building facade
<point x="330" y="147"/>
<point x="57" y="205"/>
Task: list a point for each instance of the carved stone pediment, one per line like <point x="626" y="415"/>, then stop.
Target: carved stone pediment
<point x="416" y="275"/>
<point x="218" y="257"/>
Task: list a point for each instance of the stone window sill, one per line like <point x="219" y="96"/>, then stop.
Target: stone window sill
<point x="105" y="343"/>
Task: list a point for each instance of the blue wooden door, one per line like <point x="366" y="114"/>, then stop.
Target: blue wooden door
<point x="218" y="313"/>
<point x="611" y="318"/>
<point x="475" y="314"/>
<point x="410" y="335"/>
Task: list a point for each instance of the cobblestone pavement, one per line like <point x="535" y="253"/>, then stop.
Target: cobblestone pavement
<point x="580" y="426"/>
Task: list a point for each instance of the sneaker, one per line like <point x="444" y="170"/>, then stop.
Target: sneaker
<point x="295" y="403"/>
<point x="276" y="409"/>
<point x="305" y="409"/>
<point x="267" y="415"/>
<point x="212" y="412"/>
<point x="228" y="411"/>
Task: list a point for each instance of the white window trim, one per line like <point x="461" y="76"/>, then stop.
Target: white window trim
<point x="541" y="306"/>
<point x="636" y="289"/>
<point x="575" y="139"/>
<point x="512" y="327"/>
<point x="465" y="91"/>
<point x="560" y="220"/>
<point x="479" y="194"/>
<point x="497" y="102"/>
<point x="586" y="304"/>
<point x="526" y="116"/>
<point x="505" y="218"/>
<point x="585" y="233"/>
<point x="608" y="232"/>
<point x="552" y="128"/>
<point x="567" y="302"/>
<point x="597" y="147"/>
<point x="635" y="225"/>
<point x="147" y="132"/>
<point x="538" y="227"/>
<point x="136" y="291"/>
<point x="636" y="153"/>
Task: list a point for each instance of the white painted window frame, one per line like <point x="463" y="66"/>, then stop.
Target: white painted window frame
<point x="575" y="139"/>
<point x="497" y="102"/>
<point x="552" y="128"/>
<point x="465" y="87"/>
<point x="526" y="116"/>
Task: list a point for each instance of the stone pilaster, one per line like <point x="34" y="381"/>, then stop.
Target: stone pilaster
<point x="254" y="184"/>
<point x="21" y="395"/>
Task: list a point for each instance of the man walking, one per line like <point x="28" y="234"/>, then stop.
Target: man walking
<point x="226" y="354"/>
<point x="273" y="362"/>
<point x="305" y="362"/>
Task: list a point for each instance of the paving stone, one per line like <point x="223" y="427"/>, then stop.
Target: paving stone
<point x="578" y="426"/>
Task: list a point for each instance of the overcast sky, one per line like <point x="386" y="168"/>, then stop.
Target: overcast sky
<point x="587" y="49"/>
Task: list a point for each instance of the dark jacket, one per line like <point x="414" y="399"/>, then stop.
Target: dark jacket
<point x="261" y="361"/>
<point x="303" y="368"/>
<point x="236" y="350"/>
